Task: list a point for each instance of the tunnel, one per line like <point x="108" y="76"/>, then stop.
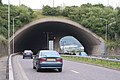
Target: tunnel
<point x="36" y="34"/>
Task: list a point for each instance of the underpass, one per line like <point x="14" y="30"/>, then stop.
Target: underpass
<point x="35" y="36"/>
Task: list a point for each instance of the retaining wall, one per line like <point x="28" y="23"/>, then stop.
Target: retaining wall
<point x="3" y="50"/>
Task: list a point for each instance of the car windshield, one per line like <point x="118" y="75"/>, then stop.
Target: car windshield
<point x="50" y="54"/>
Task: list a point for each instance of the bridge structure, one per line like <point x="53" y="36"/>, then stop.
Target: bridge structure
<point x="36" y="34"/>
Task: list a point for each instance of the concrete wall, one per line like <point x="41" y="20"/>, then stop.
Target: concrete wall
<point x="3" y="50"/>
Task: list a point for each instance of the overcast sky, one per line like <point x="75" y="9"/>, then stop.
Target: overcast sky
<point x="37" y="4"/>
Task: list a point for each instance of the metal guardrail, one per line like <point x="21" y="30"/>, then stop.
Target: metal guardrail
<point x="10" y="67"/>
<point x="11" y="77"/>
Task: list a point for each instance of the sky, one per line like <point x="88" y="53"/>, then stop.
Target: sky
<point x="38" y="4"/>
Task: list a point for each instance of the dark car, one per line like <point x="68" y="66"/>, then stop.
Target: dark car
<point x="27" y="53"/>
<point x="47" y="59"/>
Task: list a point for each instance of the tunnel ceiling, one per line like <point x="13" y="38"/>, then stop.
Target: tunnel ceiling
<point x="33" y="35"/>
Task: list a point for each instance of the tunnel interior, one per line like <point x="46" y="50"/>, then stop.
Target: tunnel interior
<point x="35" y="36"/>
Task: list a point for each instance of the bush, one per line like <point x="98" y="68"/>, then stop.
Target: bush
<point x="3" y="40"/>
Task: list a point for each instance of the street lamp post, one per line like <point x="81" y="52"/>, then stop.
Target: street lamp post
<point x="110" y="25"/>
<point x="14" y="30"/>
<point x="8" y="27"/>
<point x="108" y="2"/>
<point x="19" y="2"/>
<point x="53" y="3"/>
<point x="13" y="33"/>
<point x="106" y="31"/>
<point x="106" y="28"/>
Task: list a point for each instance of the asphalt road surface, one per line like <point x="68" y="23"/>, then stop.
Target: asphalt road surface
<point x="71" y="71"/>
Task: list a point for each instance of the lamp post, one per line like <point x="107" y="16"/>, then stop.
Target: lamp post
<point x="8" y="27"/>
<point x="110" y="25"/>
<point x="105" y="34"/>
<point x="13" y="34"/>
<point x="108" y="2"/>
<point x="14" y="30"/>
<point x="53" y="3"/>
<point x="19" y="2"/>
<point x="106" y="28"/>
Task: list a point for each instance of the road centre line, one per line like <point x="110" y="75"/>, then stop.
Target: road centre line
<point x="75" y="71"/>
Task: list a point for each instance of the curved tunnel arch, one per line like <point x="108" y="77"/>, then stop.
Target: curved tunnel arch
<point x="34" y="35"/>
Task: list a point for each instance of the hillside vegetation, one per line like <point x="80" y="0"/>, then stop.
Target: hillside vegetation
<point x="94" y="17"/>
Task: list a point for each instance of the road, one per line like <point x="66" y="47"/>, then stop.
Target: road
<point x="71" y="71"/>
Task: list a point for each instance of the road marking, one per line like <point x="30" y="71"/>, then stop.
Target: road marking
<point x="74" y="71"/>
<point x="24" y="76"/>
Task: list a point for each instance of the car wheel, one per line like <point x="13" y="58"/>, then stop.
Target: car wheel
<point x="34" y="67"/>
<point x="31" y="57"/>
<point x="60" y="69"/>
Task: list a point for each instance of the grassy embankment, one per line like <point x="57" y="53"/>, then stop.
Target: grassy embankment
<point x="39" y="15"/>
<point x="3" y="40"/>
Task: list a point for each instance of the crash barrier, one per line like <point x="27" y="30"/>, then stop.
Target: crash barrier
<point x="10" y="67"/>
<point x="11" y="77"/>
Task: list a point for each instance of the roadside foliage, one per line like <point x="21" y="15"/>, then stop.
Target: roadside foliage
<point x="94" y="17"/>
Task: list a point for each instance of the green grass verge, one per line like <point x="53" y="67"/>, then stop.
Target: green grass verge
<point x="93" y="61"/>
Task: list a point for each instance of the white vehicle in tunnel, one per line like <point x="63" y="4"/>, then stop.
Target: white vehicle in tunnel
<point x="27" y="53"/>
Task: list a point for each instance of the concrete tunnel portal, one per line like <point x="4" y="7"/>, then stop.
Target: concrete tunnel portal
<point x="36" y="34"/>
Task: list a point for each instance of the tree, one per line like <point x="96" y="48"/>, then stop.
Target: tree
<point x="3" y="20"/>
<point x="99" y="5"/>
<point x="48" y="11"/>
<point x="117" y="28"/>
<point x="25" y="15"/>
<point x="88" y="5"/>
<point x="89" y="16"/>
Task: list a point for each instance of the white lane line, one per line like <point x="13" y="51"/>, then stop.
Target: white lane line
<point x="24" y="76"/>
<point x="74" y="71"/>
